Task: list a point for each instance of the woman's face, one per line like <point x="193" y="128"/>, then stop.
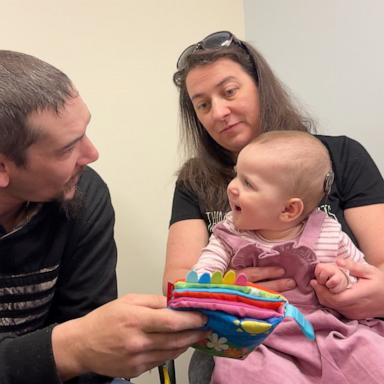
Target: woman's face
<point x="226" y="102"/>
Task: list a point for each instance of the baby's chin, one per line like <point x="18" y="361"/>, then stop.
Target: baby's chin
<point x="238" y="225"/>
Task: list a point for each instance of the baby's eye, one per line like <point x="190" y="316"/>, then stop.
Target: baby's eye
<point x="247" y="183"/>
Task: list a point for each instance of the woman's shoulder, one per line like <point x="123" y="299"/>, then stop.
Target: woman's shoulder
<point x="344" y="149"/>
<point x="335" y="142"/>
<point x="189" y="165"/>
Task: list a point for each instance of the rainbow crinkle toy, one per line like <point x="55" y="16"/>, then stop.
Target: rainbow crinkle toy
<point x="240" y="314"/>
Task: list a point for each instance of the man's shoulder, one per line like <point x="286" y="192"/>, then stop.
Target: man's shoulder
<point x="91" y="182"/>
<point x="94" y="192"/>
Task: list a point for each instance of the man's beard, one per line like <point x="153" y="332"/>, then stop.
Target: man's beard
<point x="72" y="207"/>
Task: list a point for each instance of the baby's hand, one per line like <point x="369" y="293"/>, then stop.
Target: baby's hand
<point x="332" y="277"/>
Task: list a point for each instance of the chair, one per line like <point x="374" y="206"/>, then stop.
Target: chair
<point x="199" y="371"/>
<point x="167" y="372"/>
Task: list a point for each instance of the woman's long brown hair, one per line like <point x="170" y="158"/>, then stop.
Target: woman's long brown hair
<point x="210" y="167"/>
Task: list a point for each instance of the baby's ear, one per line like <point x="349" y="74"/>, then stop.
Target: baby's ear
<point x="293" y="209"/>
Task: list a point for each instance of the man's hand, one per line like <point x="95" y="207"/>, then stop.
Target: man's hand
<point x="124" y="338"/>
<point x="364" y="299"/>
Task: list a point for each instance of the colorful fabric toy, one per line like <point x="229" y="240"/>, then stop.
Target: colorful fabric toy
<point x="240" y="314"/>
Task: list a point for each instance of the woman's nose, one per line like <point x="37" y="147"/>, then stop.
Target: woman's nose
<point x="220" y="109"/>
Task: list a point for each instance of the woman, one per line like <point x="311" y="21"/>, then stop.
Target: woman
<point x="228" y="95"/>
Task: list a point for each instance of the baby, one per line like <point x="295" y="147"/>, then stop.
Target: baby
<point x="282" y="176"/>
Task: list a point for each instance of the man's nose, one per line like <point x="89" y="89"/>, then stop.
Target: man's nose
<point x="89" y="153"/>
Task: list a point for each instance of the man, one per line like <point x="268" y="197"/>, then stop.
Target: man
<point x="57" y="252"/>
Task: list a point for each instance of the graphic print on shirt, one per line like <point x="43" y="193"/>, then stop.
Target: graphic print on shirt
<point x="326" y="208"/>
<point x="214" y="217"/>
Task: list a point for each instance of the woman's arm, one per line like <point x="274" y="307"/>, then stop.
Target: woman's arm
<point x="367" y="224"/>
<point x="186" y="239"/>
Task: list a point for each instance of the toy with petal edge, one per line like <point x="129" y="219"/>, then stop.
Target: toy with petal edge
<point x="240" y="314"/>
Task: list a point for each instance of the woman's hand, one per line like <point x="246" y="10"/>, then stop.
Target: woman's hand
<point x="364" y="299"/>
<point x="269" y="277"/>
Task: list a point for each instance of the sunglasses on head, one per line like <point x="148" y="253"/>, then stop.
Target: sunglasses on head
<point x="215" y="40"/>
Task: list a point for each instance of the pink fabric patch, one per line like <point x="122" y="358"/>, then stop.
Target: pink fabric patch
<point x="235" y="308"/>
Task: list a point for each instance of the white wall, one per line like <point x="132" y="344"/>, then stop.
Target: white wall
<point x="330" y="53"/>
<point x="121" y="54"/>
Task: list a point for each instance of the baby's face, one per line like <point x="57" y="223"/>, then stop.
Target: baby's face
<point x="256" y="195"/>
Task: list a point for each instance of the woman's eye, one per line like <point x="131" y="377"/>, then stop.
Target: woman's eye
<point x="230" y="91"/>
<point x="202" y="106"/>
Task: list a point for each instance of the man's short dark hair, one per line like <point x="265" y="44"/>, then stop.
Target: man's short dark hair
<point x="27" y="84"/>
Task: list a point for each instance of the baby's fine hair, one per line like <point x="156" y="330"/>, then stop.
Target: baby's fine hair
<point x="305" y="162"/>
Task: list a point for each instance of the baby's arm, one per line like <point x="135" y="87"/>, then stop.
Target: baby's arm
<point x="214" y="257"/>
<point x="332" y="277"/>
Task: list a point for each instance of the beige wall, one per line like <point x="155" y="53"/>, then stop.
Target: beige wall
<point x="121" y="54"/>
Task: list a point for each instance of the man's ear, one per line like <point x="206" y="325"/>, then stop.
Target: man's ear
<point x="293" y="209"/>
<point x="4" y="171"/>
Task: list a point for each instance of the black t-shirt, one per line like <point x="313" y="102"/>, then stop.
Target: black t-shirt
<point x="54" y="269"/>
<point x="358" y="182"/>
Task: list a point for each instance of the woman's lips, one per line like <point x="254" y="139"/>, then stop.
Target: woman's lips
<point x="229" y="127"/>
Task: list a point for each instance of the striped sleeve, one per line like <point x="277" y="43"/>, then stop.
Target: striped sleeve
<point x="348" y="249"/>
<point x="333" y="243"/>
<point x="327" y="246"/>
<point x="214" y="257"/>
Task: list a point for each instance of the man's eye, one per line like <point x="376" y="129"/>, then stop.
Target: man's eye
<point x="67" y="150"/>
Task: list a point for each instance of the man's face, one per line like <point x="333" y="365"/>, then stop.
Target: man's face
<point x="55" y="161"/>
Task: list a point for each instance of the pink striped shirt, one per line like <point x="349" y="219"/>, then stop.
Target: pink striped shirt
<point x="331" y="243"/>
